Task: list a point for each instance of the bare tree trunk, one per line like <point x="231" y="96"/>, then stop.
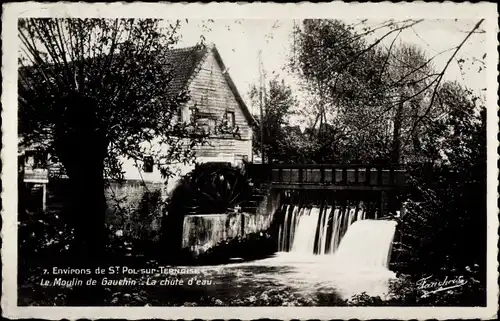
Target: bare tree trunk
<point x="396" y="150"/>
<point x="82" y="150"/>
<point x="88" y="216"/>
<point x="88" y="210"/>
<point x="396" y="135"/>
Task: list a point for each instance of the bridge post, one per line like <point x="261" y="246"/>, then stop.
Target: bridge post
<point x="242" y="222"/>
<point x="383" y="203"/>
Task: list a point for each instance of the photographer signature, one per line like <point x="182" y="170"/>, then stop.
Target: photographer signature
<point x="429" y="287"/>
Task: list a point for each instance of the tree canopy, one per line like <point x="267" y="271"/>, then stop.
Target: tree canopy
<point x="94" y="90"/>
<point x="279" y="105"/>
<point x="102" y="81"/>
<point x="365" y="99"/>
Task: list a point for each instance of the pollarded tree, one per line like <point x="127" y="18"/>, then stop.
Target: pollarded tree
<point x="92" y="91"/>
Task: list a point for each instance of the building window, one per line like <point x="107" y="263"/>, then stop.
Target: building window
<point x="230" y="119"/>
<point x="187" y="114"/>
<point x="148" y="164"/>
<point x="29" y="159"/>
<point x="212" y="124"/>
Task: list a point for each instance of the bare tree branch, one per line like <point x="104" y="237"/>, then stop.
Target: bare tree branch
<point x="440" y="77"/>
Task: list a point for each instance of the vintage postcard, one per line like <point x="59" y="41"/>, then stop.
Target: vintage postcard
<point x="246" y="161"/>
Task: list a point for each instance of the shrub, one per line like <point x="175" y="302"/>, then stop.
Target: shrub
<point x="448" y="208"/>
<point x="44" y="234"/>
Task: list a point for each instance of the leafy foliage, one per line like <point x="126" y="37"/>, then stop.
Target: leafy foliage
<point x="95" y="91"/>
<point x="44" y="234"/>
<point x="446" y="222"/>
<point x="365" y="100"/>
<point x="278" y="106"/>
<point x="104" y="81"/>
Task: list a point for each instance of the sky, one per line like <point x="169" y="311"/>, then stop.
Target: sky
<point x="239" y="43"/>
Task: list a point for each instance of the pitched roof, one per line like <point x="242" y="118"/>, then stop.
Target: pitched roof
<point x="182" y="63"/>
<point x="248" y="115"/>
<point x="186" y="63"/>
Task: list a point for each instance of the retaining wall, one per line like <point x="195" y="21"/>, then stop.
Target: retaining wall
<point x="203" y="231"/>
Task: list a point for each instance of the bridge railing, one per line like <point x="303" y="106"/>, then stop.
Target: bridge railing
<point x="330" y="176"/>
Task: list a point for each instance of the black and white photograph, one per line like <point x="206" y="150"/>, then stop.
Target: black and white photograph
<point x="180" y="156"/>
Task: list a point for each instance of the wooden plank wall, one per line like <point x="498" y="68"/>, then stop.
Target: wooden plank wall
<point x="212" y="95"/>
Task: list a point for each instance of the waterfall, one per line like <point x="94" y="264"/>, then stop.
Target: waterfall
<point x="361" y="262"/>
<point x="293" y="225"/>
<point x="306" y="231"/>
<point x="336" y="230"/>
<point x="316" y="229"/>
<point x="285" y="229"/>
<point x="367" y="245"/>
<point x="324" y="230"/>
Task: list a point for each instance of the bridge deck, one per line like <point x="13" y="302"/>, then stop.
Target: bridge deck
<point x="330" y="176"/>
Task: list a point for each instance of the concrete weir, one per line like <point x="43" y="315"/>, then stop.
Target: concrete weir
<point x="203" y="231"/>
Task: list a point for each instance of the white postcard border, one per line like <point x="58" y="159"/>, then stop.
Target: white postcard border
<point x="341" y="10"/>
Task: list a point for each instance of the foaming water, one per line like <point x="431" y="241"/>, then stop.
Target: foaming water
<point x="363" y="257"/>
<point x="359" y="265"/>
<point x="367" y="244"/>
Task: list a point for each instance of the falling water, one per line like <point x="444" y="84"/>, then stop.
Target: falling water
<point x="354" y="253"/>
<point x="285" y="228"/>
<point x="316" y="230"/>
<point x="295" y="214"/>
<point x="361" y="262"/>
<point x="367" y="244"/>
<point x="324" y="229"/>
<point x="306" y="231"/>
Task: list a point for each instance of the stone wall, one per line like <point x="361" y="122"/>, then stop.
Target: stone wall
<point x="127" y="216"/>
<point x="203" y="231"/>
<point x="124" y="216"/>
<point x="270" y="203"/>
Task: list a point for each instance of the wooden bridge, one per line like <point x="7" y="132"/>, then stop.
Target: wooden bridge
<point x="379" y="183"/>
<point x="330" y="176"/>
